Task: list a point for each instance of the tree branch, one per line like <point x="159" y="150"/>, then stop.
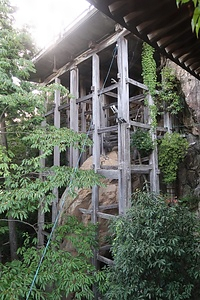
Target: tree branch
<point x="23" y="222"/>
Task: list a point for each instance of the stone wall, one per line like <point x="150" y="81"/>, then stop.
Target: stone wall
<point x="188" y="182"/>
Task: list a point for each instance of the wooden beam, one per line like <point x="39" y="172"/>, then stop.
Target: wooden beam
<point x="141" y="169"/>
<point x="74" y="90"/>
<point x="83" y="118"/>
<point x="50" y="112"/>
<point x="136" y="83"/>
<point x="107" y="207"/>
<point x="137" y="98"/>
<point x="139" y="124"/>
<point x="105" y="260"/>
<point x="109" y="88"/>
<point x="64" y="106"/>
<point x="96" y="126"/>
<point x="86" y="55"/>
<point x="123" y="127"/>
<point x="153" y="161"/>
<point x="105" y="216"/>
<point x="108" y="129"/>
<point x="110" y="174"/>
<point x="83" y="98"/>
<point x="96" y="141"/>
<point x="116" y="167"/>
<point x="111" y="94"/>
<point x="105" y="247"/>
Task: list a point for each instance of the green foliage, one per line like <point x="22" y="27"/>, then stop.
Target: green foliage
<point x="191" y="201"/>
<point x="22" y="190"/>
<point x="150" y="78"/>
<point x="47" y="138"/>
<point x="15" y="53"/>
<point x="169" y="97"/>
<point x="66" y="270"/>
<point x="149" y="68"/>
<point x="25" y="186"/>
<point x="142" y="141"/>
<point x="195" y="22"/>
<point x="172" y="149"/>
<point x="156" y="252"/>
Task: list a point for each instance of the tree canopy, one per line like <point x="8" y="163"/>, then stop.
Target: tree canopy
<point x="26" y="184"/>
<point x="156" y="252"/>
<point x="195" y="22"/>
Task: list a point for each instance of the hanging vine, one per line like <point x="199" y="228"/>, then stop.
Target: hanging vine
<point x="150" y="78"/>
<point x="172" y="150"/>
<point x="170" y="97"/>
<point x="149" y="68"/>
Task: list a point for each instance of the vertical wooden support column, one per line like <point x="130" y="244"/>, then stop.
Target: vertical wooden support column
<point x="154" y="173"/>
<point x="74" y="113"/>
<point x="83" y="119"/>
<point x="96" y="126"/>
<point x="96" y="147"/>
<point x="103" y="121"/>
<point x="123" y="127"/>
<point x="168" y="121"/>
<point x="56" y="159"/>
<point x="68" y="126"/>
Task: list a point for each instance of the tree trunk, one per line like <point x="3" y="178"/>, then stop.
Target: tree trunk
<point x="41" y="215"/>
<point x="3" y="131"/>
<point x="11" y="223"/>
<point x="40" y="224"/>
<point x="12" y="238"/>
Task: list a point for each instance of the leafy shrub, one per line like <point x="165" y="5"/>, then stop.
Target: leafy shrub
<point x="65" y="271"/>
<point x="156" y="252"/>
<point x="172" y="150"/>
<point x="170" y="97"/>
<point x="142" y="141"/>
<point x="191" y="201"/>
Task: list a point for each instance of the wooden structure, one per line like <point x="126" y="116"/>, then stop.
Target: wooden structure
<point x="102" y="69"/>
<point x="161" y="24"/>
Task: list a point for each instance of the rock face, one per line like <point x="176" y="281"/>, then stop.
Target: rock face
<point x="188" y="182"/>
<point x="107" y="195"/>
<point x="189" y="170"/>
<point x="191" y="90"/>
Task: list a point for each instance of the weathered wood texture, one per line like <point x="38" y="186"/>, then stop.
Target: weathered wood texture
<point x="123" y="127"/>
<point x="96" y="126"/>
<point x="154" y="173"/>
<point x="74" y="90"/>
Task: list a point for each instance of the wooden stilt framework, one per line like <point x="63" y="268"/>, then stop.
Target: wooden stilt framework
<point x="94" y="108"/>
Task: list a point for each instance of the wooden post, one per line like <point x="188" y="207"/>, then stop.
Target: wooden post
<point x="83" y="120"/>
<point x="168" y="123"/>
<point x="96" y="126"/>
<point x="96" y="147"/>
<point x="68" y="126"/>
<point x="56" y="159"/>
<point x="103" y="121"/>
<point x="74" y="90"/>
<point x="153" y="161"/>
<point x="123" y="127"/>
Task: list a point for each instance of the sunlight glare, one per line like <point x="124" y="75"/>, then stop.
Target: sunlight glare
<point x="47" y="18"/>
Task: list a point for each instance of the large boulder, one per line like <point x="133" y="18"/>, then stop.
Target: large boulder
<point x="107" y="195"/>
